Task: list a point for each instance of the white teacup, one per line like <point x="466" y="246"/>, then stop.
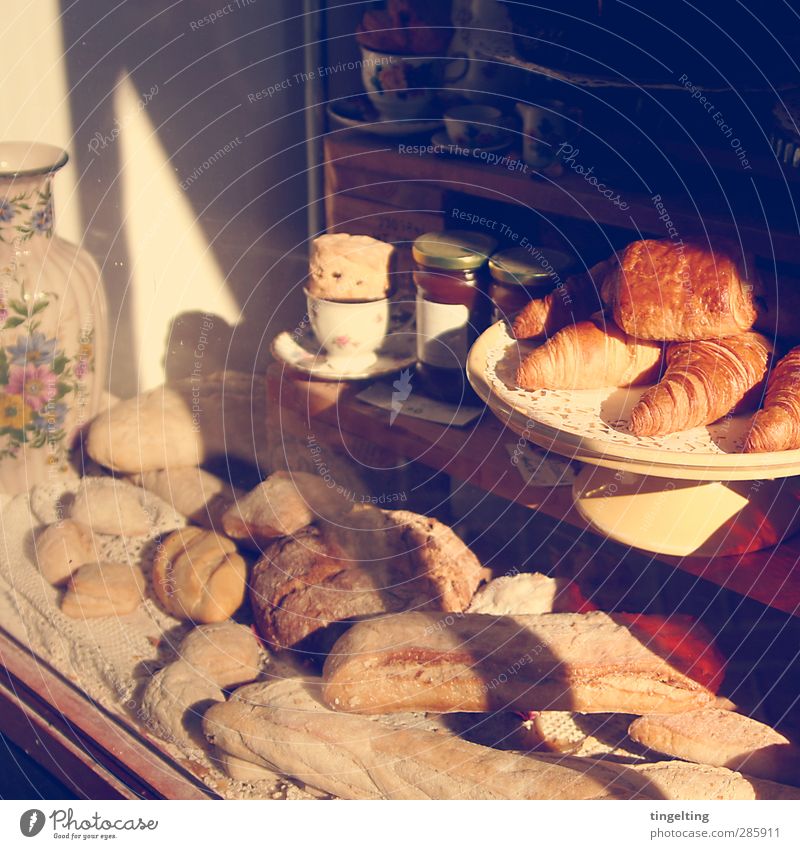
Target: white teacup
<point x="350" y="331"/>
<point x="544" y="128"/>
<point x="474" y="125"/>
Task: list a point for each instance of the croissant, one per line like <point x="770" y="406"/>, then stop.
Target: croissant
<point x="676" y="291"/>
<point x="590" y="356"/>
<point x="576" y="301"/>
<point x="703" y="381"/>
<point x="776" y="427"/>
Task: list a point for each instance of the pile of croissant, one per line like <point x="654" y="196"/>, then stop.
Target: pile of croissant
<point x="676" y="315"/>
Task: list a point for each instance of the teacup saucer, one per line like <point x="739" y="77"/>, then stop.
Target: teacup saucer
<point x="301" y="350"/>
<point x="441" y="138"/>
<point x="358" y="113"/>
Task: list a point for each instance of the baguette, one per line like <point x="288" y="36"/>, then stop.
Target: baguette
<point x="721" y="738"/>
<point x="590" y="663"/>
<point x="283" y="726"/>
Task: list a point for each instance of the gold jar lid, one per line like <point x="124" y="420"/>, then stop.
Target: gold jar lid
<point x="455" y="250"/>
<point x="529" y="266"/>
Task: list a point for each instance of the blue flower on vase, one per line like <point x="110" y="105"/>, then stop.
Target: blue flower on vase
<point x="43" y="219"/>
<point x="32" y="350"/>
<point x="6" y="211"/>
<point x="51" y="417"/>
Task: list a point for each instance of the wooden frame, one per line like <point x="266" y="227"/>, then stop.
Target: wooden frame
<point x="94" y="753"/>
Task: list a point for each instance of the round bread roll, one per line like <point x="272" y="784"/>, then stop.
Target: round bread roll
<point x="307" y="589"/>
<point x="103" y="589"/>
<point x="174" y="703"/>
<point x="227" y="653"/>
<point x="199" y="575"/>
<point x="62" y="548"/>
<point x="280" y="506"/>
<point x="108" y="506"/>
<point x="192" y="491"/>
<point x="151" y="431"/>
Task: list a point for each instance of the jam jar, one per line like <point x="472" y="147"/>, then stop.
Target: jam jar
<point x="453" y="307"/>
<point x="521" y="274"/>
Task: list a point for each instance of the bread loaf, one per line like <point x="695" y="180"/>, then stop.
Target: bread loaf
<point x="590" y="663"/>
<point x="721" y="738"/>
<point x="307" y="589"/>
<point x="151" y="431"/>
<point x="198" y="575"/>
<point x="183" y="424"/>
<point x="283" y="726"/>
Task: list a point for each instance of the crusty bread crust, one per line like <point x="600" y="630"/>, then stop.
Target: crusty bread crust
<point x="283" y="725"/>
<point x="375" y="562"/>
<point x="721" y="738"/>
<point x="591" y="663"/>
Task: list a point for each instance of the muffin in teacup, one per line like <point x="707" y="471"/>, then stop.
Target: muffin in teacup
<point x="348" y="297"/>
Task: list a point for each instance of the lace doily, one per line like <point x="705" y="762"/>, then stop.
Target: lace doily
<point x="600" y="414"/>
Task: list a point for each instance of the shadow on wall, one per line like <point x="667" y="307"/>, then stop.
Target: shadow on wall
<point x="191" y="180"/>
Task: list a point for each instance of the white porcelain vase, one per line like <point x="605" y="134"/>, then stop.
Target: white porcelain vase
<point x="53" y="324"/>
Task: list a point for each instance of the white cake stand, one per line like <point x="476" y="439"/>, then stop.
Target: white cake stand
<point x="686" y="493"/>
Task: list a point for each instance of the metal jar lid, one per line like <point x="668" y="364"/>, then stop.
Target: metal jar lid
<point x="529" y="266"/>
<point x="455" y="250"/>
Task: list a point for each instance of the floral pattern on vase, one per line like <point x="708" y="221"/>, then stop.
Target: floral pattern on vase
<point x="52" y="324"/>
<point x="26" y="214"/>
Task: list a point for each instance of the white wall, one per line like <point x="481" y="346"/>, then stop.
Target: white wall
<point x="188" y="191"/>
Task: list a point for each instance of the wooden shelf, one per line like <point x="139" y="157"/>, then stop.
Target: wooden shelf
<point x="358" y="166"/>
<point x="478" y="455"/>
